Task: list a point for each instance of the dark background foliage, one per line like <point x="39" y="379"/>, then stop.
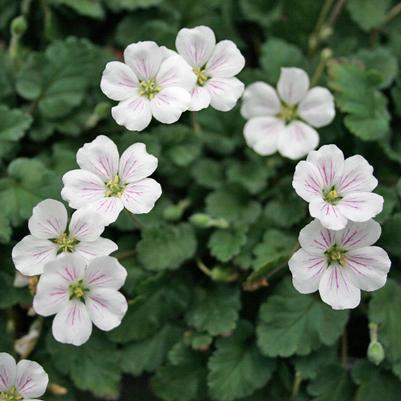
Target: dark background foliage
<point x="213" y="315"/>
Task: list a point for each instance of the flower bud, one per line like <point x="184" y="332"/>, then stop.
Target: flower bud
<point x="18" y="26"/>
<point x="201" y="220"/>
<point x="223" y="274"/>
<point x="376" y="353"/>
<point x="102" y="109"/>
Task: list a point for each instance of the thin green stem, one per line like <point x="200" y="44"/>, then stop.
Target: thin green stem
<point x="136" y="221"/>
<point x="194" y="122"/>
<point x="344" y="349"/>
<point x="323" y="15"/>
<point x="392" y="13"/>
<point x="125" y="254"/>
<point x="296" y="386"/>
<point x="336" y="13"/>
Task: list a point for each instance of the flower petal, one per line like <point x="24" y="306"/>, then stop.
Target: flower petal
<point x="196" y="45"/>
<point x="94" y="249"/>
<point x="367" y="267"/>
<point x="99" y="157"/>
<point x="72" y="325"/>
<point x="317" y="107"/>
<point x="105" y="272"/>
<point x="144" y="58"/>
<point x="136" y="163"/>
<point x="226" y="60"/>
<point x="169" y="104"/>
<point x="292" y="85"/>
<point x="175" y="71"/>
<point x="109" y="208"/>
<point x="329" y="160"/>
<point x="260" y="99"/>
<point x="31" y="380"/>
<point x="134" y="113"/>
<point x="329" y="215"/>
<point x="361" y="206"/>
<point x="357" y="176"/>
<point x="297" y="140"/>
<point x="336" y="290"/>
<point x="261" y="134"/>
<point x="307" y="271"/>
<point x="86" y="225"/>
<point x="8" y="371"/>
<point x="307" y="181"/>
<point x="49" y="219"/>
<point x="224" y="92"/>
<point x="118" y="82"/>
<point x="316" y="239"/>
<point x="31" y="254"/>
<point x="141" y="196"/>
<point x="81" y="188"/>
<point x="106" y="308"/>
<point x="357" y="235"/>
<point x="200" y="98"/>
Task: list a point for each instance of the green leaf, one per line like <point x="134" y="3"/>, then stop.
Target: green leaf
<point x="368" y="14"/>
<point x="293" y="323"/>
<point x="225" y="244"/>
<point x="166" y="247"/>
<point x="149" y="354"/>
<point x="5" y="229"/>
<point x="236" y="368"/>
<point x="285" y="212"/>
<point x="208" y="173"/>
<point x="215" y="309"/>
<point x="87" y="8"/>
<point x="94" y="366"/>
<point x="357" y="96"/>
<point x="13" y="124"/>
<point x="262" y="11"/>
<point x="391" y="234"/>
<point x="130" y="5"/>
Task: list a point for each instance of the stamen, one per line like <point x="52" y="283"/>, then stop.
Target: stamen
<point x="65" y="243"/>
<point x="288" y="112"/>
<point x="10" y="395"/>
<point x="78" y="290"/>
<point x="201" y="77"/>
<point x="115" y="188"/>
<point x="148" y="88"/>
<point x="331" y="196"/>
<point x="336" y="255"/>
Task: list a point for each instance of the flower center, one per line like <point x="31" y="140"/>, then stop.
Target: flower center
<point x="331" y="196"/>
<point x="115" y="187"/>
<point x="288" y="112"/>
<point x="65" y="243"/>
<point x="78" y="290"/>
<point x="335" y="255"/>
<point x="201" y="76"/>
<point x="148" y="88"/>
<point x="10" y="395"/>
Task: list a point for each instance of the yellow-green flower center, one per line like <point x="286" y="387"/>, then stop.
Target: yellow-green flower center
<point x="201" y="76"/>
<point x="10" y="395"/>
<point x="288" y="112"/>
<point x="115" y="187"/>
<point x="336" y="255"/>
<point x="78" y="290"/>
<point x="148" y="88"/>
<point x="65" y="243"/>
<point x="331" y="196"/>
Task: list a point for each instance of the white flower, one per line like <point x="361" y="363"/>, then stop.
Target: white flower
<point x="52" y="236"/>
<point x="153" y="81"/>
<point x="80" y="294"/>
<point x="214" y="67"/>
<point x="107" y="183"/>
<point x="337" y="190"/>
<point x="23" y="381"/>
<point x="339" y="263"/>
<point x="282" y="121"/>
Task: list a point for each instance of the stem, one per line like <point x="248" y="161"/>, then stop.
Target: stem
<point x="344" y="349"/>
<point x="125" y="254"/>
<point x="136" y="221"/>
<point x="324" y="57"/>
<point x="392" y="13"/>
<point x="336" y="12"/>
<point x="194" y="122"/>
<point x="373" y="332"/>
<point x="203" y="267"/>
<point x="323" y="15"/>
<point x="296" y="386"/>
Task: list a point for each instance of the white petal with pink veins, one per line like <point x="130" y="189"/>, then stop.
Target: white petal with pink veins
<point x="49" y="219"/>
<point x="144" y="58"/>
<point x="108" y="207"/>
<point x="317" y="107"/>
<point x="72" y="325"/>
<point x="175" y="71"/>
<point x="297" y="140"/>
<point x="31" y="380"/>
<point x="134" y="113"/>
<point x="262" y="133"/>
<point x="260" y="99"/>
<point x="118" y="82"/>
<point x="316" y="239"/>
<point x="106" y="308"/>
<point x="357" y="235"/>
<point x="136" y="163"/>
<point x="336" y="290"/>
<point x="82" y="188"/>
<point x="140" y="197"/>
<point x="31" y="254"/>
<point x="367" y="267"/>
<point x="224" y="92"/>
<point x="105" y="272"/>
<point x="360" y="206"/>
<point x="99" y="157"/>
<point x="307" y="181"/>
<point x="8" y="371"/>
<point x="357" y="176"/>
<point x="292" y="85"/>
<point x="169" y="104"/>
<point x="329" y="215"/>
<point x="200" y="98"/>
<point x="94" y="249"/>
<point x="226" y="60"/>
<point x="86" y="225"/>
<point x="307" y="270"/>
<point x="196" y="45"/>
